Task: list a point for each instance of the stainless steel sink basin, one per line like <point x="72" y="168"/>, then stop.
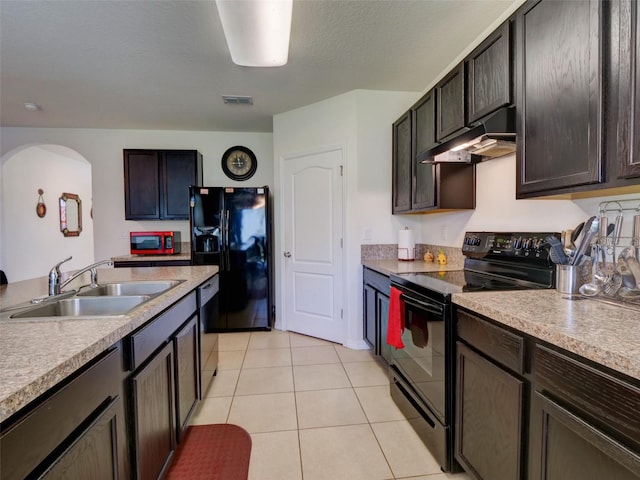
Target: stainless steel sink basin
<point x="145" y="287"/>
<point x="85" y="306"/>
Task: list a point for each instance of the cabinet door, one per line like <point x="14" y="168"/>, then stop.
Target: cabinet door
<point x="178" y="171"/>
<point x="187" y="372"/>
<point x="629" y="91"/>
<point x="369" y="326"/>
<point x="572" y="448"/>
<point x="141" y="185"/>
<point x="94" y="454"/>
<point x="559" y="100"/>
<point x="489" y="418"/>
<point x="489" y="76"/>
<point x="401" y="164"/>
<point x="424" y="137"/>
<point x="153" y="415"/>
<point x="450" y="115"/>
<point x="383" y="321"/>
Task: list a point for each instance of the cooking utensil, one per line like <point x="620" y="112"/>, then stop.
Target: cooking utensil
<point x="618" y="229"/>
<point x="628" y="280"/>
<point x="576" y="232"/>
<point x="590" y="227"/>
<point x="629" y="293"/>
<point x="632" y="264"/>
<point x="635" y="234"/>
<point x="589" y="289"/>
<point x="556" y="252"/>
<point x="592" y="288"/>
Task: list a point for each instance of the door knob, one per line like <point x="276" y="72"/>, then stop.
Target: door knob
<point x="287" y="254"/>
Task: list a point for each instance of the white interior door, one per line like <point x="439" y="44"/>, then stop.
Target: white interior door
<point x="312" y="256"/>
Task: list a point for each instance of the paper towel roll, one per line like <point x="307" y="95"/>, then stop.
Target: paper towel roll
<point x="406" y="245"/>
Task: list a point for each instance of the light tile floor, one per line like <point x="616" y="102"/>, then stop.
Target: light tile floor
<point x="315" y="410"/>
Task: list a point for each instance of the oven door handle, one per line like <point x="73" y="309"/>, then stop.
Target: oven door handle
<point x="429" y="307"/>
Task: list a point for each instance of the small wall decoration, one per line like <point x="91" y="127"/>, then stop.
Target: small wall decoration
<point x="41" y="208"/>
<point x="70" y="215"/>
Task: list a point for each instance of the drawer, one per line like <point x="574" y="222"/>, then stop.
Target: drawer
<point x="31" y="438"/>
<point x="377" y="280"/>
<point x="609" y="401"/>
<point x="503" y="346"/>
<point x="141" y="344"/>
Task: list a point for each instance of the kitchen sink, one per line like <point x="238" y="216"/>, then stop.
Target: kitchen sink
<point x="85" y="306"/>
<point x="144" y="287"/>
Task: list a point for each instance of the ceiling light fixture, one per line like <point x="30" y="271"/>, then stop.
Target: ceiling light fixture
<point x="32" y="107"/>
<point x="257" y="31"/>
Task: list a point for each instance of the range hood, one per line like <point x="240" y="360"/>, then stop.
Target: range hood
<point x="493" y="136"/>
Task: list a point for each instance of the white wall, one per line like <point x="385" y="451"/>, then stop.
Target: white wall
<point x="31" y="245"/>
<point x="103" y="150"/>
<point x="361" y="121"/>
<point x="497" y="208"/>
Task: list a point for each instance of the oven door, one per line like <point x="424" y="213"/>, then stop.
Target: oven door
<point x="422" y="360"/>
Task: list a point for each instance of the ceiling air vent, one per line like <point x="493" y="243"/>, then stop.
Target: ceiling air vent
<point x="237" y="100"/>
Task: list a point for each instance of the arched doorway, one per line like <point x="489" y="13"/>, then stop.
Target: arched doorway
<point x="30" y="244"/>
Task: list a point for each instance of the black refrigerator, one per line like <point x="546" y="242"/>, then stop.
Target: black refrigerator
<point x="231" y="228"/>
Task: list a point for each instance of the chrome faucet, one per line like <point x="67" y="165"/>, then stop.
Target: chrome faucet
<point x="55" y="287"/>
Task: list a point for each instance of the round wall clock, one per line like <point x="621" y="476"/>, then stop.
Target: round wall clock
<point x="239" y="163"/>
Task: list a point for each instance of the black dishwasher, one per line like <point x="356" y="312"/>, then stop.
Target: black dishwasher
<point x="207" y="296"/>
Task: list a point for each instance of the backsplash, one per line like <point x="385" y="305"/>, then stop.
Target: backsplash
<point x="390" y="252"/>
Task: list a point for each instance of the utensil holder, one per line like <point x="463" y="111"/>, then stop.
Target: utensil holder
<point x="569" y="279"/>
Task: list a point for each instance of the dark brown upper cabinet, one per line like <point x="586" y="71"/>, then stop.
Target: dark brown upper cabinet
<point x="156" y="183"/>
<point x="628" y="134"/>
<point x="489" y="74"/>
<point x="450" y="114"/>
<point x="402" y="159"/>
<point x="559" y="96"/>
<point x="423" y="189"/>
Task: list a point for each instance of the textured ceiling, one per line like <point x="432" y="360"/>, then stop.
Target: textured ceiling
<point x="165" y="64"/>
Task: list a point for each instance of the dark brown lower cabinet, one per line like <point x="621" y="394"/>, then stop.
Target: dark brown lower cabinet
<point x="76" y="431"/>
<point x="375" y="291"/>
<point x="369" y="324"/>
<point x="185" y="344"/>
<point x="94" y="454"/>
<point x="489" y="417"/>
<point x="585" y="423"/>
<point x="153" y="415"/>
<point x="571" y="448"/>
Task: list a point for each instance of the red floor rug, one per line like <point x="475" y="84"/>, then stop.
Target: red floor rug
<point x="212" y="452"/>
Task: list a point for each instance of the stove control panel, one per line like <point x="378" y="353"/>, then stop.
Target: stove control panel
<point x="531" y="245"/>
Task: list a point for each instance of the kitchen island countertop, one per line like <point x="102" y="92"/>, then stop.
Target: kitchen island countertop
<point x="604" y="333"/>
<point x="36" y="354"/>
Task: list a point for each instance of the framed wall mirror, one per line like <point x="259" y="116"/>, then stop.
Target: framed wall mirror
<point x="70" y="215"/>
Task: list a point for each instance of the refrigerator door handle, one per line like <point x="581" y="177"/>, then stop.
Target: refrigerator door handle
<point x="223" y="230"/>
<point x="226" y="241"/>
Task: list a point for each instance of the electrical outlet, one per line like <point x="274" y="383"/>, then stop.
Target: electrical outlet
<point x="367" y="234"/>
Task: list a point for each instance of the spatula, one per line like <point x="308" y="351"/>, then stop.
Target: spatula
<point x="556" y="252"/>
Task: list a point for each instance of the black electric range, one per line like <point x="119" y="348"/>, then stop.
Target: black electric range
<point x="423" y="369"/>
<point x="493" y="261"/>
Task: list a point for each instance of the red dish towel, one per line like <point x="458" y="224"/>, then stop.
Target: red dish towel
<point x="395" y="325"/>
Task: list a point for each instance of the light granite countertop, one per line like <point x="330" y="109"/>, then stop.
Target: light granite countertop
<point x="604" y="333"/>
<point x="387" y="267"/>
<point x="36" y="354"/>
<point x="153" y="258"/>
